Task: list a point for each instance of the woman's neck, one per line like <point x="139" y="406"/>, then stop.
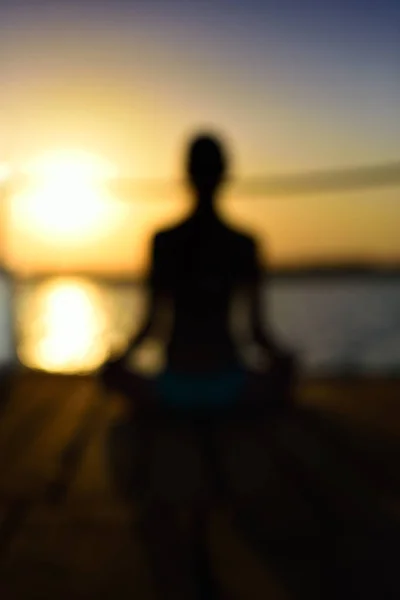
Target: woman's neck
<point x="204" y="206"/>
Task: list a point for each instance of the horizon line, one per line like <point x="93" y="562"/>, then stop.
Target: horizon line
<point x="319" y="268"/>
<point x="311" y="181"/>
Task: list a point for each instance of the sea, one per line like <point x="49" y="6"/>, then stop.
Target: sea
<point x="337" y="325"/>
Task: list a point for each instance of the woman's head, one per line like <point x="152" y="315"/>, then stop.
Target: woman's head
<point x="206" y="163"/>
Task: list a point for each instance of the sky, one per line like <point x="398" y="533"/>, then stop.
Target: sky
<point x="292" y="85"/>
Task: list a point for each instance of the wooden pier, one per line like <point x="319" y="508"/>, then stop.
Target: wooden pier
<point x="333" y="512"/>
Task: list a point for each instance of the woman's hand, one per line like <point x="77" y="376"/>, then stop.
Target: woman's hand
<point x="111" y="371"/>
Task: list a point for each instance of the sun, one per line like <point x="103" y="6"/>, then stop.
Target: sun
<point x="65" y="196"/>
<point x="5" y="172"/>
<point x="70" y="166"/>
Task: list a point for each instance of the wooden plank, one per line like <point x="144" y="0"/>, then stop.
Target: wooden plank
<point x="26" y="401"/>
<point x="86" y="540"/>
<point x="276" y="525"/>
<point x="21" y="440"/>
<point x="31" y="399"/>
<point x="241" y="572"/>
<point x="28" y="473"/>
<point x="373" y="402"/>
<point x="374" y="455"/>
<point x="14" y="517"/>
<point x="41" y="463"/>
<point x="92" y="476"/>
<point x="361" y="537"/>
<point x="88" y="557"/>
<point x="335" y="478"/>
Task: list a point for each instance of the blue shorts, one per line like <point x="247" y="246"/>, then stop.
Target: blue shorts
<point x="198" y="391"/>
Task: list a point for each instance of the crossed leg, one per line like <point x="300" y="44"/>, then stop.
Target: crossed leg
<point x="158" y="465"/>
<point x="171" y="477"/>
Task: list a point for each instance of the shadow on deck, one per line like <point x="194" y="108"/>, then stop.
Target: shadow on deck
<point x="330" y="528"/>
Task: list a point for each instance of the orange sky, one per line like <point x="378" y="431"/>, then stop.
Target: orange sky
<point x="131" y="85"/>
<point x="115" y="237"/>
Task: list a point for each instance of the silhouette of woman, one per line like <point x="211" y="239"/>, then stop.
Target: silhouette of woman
<point x="198" y="269"/>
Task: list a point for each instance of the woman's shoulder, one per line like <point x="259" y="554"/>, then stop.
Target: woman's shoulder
<point x="243" y="241"/>
<point x="170" y="234"/>
<point x="233" y="240"/>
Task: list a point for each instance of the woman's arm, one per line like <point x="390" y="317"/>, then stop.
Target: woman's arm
<point x="258" y="296"/>
<point x="156" y="307"/>
<point x="153" y="323"/>
<point x="261" y="330"/>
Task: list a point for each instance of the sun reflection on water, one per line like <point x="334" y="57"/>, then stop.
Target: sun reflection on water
<point x="68" y="328"/>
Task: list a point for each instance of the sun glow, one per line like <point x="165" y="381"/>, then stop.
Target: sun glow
<point x="65" y="196"/>
<point x="75" y="167"/>
<point x="5" y="172"/>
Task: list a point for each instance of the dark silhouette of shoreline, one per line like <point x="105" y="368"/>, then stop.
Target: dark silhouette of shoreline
<point x="306" y="271"/>
<point x="337" y="270"/>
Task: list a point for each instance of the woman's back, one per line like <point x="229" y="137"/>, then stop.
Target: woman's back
<point x="200" y="265"/>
